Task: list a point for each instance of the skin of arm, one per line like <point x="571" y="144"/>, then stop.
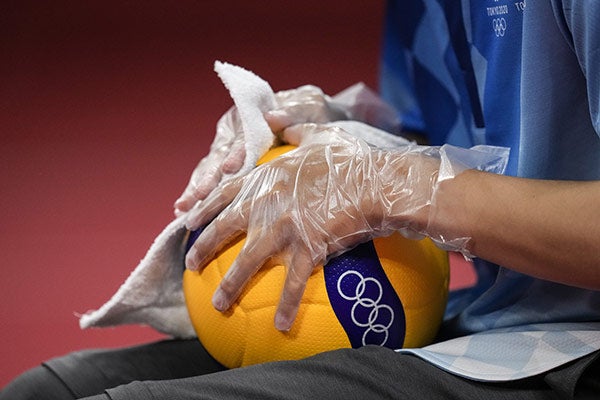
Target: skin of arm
<point x="544" y="228"/>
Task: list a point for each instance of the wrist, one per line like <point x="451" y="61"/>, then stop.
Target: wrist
<point x="409" y="178"/>
<point x="452" y="212"/>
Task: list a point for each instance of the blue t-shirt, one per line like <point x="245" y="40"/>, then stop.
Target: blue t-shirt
<point x="504" y="73"/>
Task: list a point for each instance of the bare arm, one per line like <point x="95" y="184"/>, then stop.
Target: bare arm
<point x="547" y="229"/>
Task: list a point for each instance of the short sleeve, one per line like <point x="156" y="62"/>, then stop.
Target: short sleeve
<point x="580" y="22"/>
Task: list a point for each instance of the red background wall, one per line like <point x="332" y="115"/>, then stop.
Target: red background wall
<point x="105" y="108"/>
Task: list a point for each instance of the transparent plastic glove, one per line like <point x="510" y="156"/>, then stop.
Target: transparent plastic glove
<point x="373" y="136"/>
<point x="226" y="156"/>
<point x="363" y="104"/>
<point x="310" y="104"/>
<point x="310" y="204"/>
<point x="305" y="104"/>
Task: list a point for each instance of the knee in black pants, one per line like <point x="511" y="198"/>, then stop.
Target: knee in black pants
<point x="39" y="383"/>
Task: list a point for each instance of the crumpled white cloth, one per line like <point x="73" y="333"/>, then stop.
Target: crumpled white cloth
<point x="152" y="294"/>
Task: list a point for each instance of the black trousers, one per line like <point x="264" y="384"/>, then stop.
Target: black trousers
<point x="182" y="369"/>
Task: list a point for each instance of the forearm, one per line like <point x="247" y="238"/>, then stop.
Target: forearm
<point x="547" y="229"/>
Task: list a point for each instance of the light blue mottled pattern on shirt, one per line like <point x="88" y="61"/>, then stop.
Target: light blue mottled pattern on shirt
<point x="527" y="77"/>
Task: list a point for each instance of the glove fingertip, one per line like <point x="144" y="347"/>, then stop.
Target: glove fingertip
<point x="282" y="322"/>
<point x="234" y="162"/>
<point x="277" y="120"/>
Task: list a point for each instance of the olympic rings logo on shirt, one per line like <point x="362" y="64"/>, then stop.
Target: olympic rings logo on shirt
<point x="377" y="313"/>
<point x="499" y="25"/>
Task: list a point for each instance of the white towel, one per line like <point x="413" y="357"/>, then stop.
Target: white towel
<point x="152" y="294"/>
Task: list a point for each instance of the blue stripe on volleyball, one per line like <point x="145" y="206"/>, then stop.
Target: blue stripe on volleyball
<point x="191" y="239"/>
<point x="364" y="300"/>
<point x="193" y="235"/>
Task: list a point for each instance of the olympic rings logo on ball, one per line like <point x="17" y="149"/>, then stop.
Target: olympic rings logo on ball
<point x="373" y="323"/>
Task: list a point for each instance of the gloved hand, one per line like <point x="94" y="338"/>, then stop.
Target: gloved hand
<point x="315" y="202"/>
<point x="373" y="136"/>
<point x="305" y="104"/>
<point x="227" y="152"/>
<point x="296" y="106"/>
<point x="310" y="104"/>
<point x="226" y="156"/>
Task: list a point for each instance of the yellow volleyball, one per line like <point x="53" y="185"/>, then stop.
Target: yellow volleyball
<point x="391" y="291"/>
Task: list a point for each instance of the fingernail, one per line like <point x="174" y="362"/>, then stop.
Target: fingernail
<point x="277" y="119"/>
<point x="219" y="302"/>
<point x="190" y="224"/>
<point x="183" y="203"/>
<point x="190" y="259"/>
<point x="282" y="323"/>
<point x="275" y="113"/>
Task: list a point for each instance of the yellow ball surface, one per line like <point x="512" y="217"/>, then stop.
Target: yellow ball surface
<point x="417" y="271"/>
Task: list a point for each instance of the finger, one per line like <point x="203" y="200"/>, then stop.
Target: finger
<point x="278" y="120"/>
<point x="295" y="283"/>
<point x="184" y="203"/>
<point x="235" y="159"/>
<point x="250" y="259"/>
<point x="295" y="133"/>
<point x="203" y="212"/>
<point x="207" y="183"/>
<point x="199" y="190"/>
<point x="226" y="227"/>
